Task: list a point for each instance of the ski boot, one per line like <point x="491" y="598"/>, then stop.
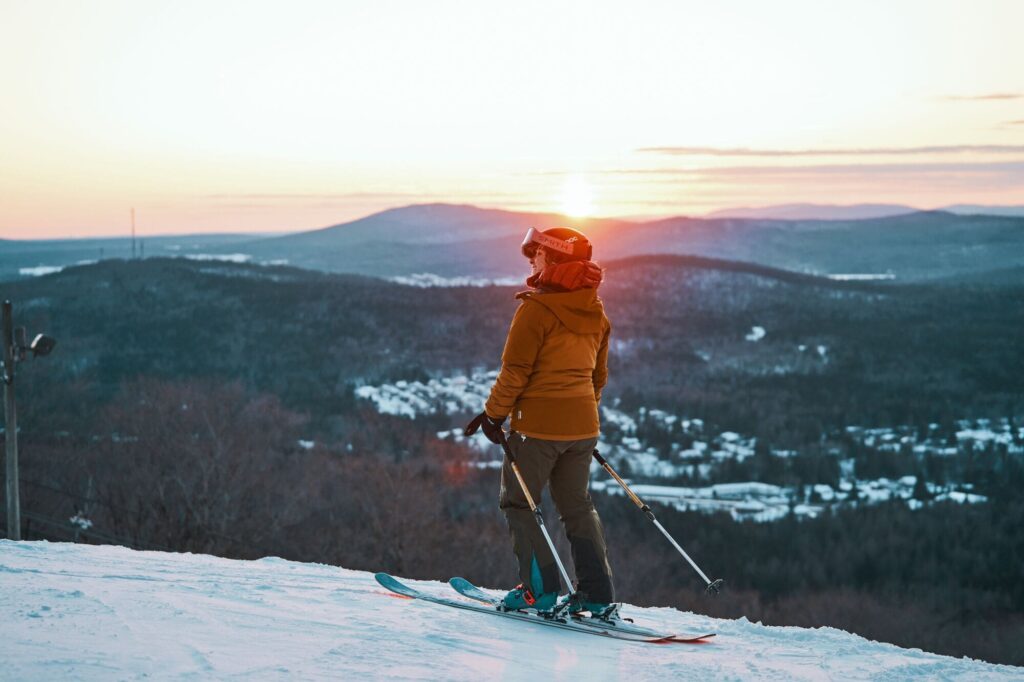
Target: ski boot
<point x="600" y="610"/>
<point x="521" y="598"/>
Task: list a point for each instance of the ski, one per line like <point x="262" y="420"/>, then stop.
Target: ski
<point x="396" y="586"/>
<point x="471" y="591"/>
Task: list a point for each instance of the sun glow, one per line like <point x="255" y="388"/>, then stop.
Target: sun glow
<point x="577" y="197"/>
<point x="207" y="119"/>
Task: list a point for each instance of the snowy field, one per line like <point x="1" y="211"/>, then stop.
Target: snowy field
<point x="109" y="613"/>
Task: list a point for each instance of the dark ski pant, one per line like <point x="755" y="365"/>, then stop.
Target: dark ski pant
<point x="566" y="465"/>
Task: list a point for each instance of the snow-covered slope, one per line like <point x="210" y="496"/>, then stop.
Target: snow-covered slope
<point x="85" y="612"/>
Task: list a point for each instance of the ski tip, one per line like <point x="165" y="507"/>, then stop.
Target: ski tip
<point x="394" y="595"/>
<point x="685" y="639"/>
<point x="395" y="585"/>
<point x="391" y="582"/>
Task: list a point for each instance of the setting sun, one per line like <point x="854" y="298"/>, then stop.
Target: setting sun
<point x="577" y="197"/>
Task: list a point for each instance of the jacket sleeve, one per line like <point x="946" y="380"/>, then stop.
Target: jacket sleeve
<point x="600" y="376"/>
<point x="525" y="337"/>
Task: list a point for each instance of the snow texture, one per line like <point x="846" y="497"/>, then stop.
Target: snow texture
<point x="102" y="613"/>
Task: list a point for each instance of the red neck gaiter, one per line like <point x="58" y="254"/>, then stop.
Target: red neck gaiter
<point x="577" y="274"/>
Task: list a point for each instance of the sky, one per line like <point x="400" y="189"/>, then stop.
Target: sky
<point x="218" y="116"/>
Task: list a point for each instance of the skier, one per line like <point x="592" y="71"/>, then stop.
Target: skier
<point x="553" y="369"/>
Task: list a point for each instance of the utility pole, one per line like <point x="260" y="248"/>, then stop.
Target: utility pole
<point x="133" y="234"/>
<point x="11" y="429"/>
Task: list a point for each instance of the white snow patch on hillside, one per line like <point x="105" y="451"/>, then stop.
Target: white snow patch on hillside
<point x="40" y="270"/>
<point x="862" y="277"/>
<point x="655" y="444"/>
<point x="220" y="257"/>
<point x="429" y="279"/>
<point x="100" y="613"/>
<point x="446" y="395"/>
<point x="478" y="441"/>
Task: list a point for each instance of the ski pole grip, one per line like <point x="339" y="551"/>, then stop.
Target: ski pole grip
<point x="506" y="448"/>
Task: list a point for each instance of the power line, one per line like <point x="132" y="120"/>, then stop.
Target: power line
<point x="118" y="508"/>
<point x="72" y="530"/>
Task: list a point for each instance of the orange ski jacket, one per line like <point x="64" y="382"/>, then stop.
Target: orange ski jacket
<point x="554" y="366"/>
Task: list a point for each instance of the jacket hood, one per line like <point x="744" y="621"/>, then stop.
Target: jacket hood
<point x="581" y="311"/>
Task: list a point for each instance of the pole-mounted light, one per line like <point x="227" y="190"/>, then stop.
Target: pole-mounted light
<point x="42" y="345"/>
<point x="16" y="349"/>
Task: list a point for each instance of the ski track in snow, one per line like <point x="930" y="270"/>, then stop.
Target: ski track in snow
<point x="106" y="613"/>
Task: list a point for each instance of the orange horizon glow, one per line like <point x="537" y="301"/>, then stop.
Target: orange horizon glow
<point x="237" y="117"/>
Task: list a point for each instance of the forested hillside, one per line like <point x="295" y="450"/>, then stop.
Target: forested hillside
<point x="833" y="353"/>
<point x="212" y="407"/>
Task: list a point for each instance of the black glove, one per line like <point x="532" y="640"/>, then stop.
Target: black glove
<point x="492" y="427"/>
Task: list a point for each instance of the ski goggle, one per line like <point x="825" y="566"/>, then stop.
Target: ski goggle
<point x="535" y="238"/>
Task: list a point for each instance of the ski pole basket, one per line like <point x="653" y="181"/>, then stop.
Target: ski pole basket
<point x="713" y="586"/>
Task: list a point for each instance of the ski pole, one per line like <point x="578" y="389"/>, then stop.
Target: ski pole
<point x="713" y="587"/>
<point x="537" y="515"/>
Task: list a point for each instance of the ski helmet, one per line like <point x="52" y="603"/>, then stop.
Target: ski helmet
<point x="565" y="243"/>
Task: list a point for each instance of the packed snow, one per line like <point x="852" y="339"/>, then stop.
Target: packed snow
<point x="89" y="612"/>
<point x="685" y="447"/>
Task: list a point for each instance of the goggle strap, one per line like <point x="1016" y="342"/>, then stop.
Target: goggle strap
<point x="546" y="240"/>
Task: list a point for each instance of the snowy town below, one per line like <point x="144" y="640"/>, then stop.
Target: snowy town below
<point x="654" y="450"/>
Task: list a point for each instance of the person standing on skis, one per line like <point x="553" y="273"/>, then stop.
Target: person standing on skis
<point x="553" y="368"/>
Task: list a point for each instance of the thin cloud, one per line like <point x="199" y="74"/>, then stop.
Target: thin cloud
<point x="333" y="199"/>
<point x="863" y="179"/>
<point x="866" y="151"/>
<point x="1009" y="168"/>
<point x="1015" y="123"/>
<point x="984" y="98"/>
<point x="892" y="180"/>
<point x="872" y="169"/>
<point x="284" y="196"/>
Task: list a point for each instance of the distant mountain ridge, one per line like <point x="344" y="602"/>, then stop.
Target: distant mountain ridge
<point x="458" y="240"/>
<point x="815" y="211"/>
<point x="450" y="240"/>
<point x="975" y="209"/>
